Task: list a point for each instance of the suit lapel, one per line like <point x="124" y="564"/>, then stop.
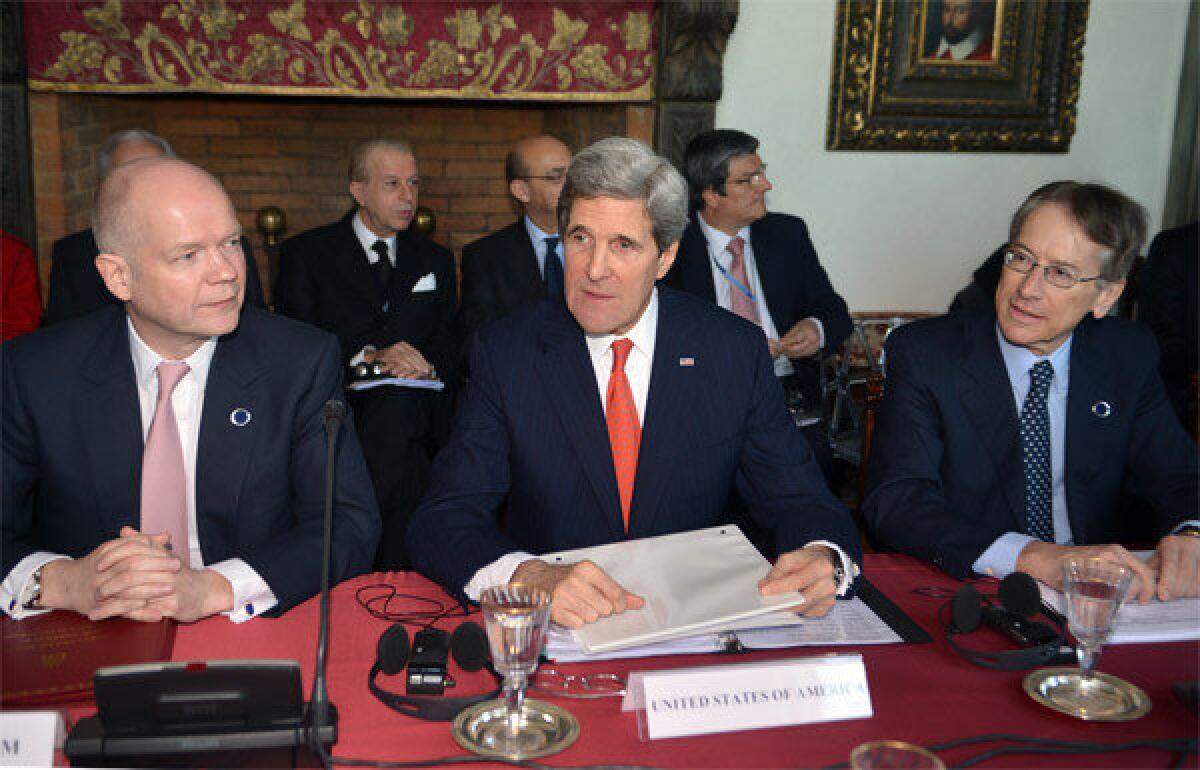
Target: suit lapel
<point x="110" y="421"/>
<point x="986" y="397"/>
<point x="694" y="264"/>
<point x="525" y="264"/>
<point x="773" y="281"/>
<point x="1091" y="384"/>
<point x="225" y="451"/>
<point x="666" y="410"/>
<point x="565" y="369"/>
<point x="353" y="261"/>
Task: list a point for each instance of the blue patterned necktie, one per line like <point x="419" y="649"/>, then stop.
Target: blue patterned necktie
<point x="554" y="270"/>
<point x="1035" y="446"/>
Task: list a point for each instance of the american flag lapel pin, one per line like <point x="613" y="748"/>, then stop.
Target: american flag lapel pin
<point x="687" y="361"/>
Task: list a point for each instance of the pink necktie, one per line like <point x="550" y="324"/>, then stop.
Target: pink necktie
<point x="738" y="301"/>
<point x="164" y="486"/>
<point x="624" y="431"/>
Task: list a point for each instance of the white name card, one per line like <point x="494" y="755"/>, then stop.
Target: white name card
<point x="29" y="738"/>
<point x="748" y="696"/>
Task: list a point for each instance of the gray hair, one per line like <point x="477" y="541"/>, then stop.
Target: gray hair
<point x="706" y="160"/>
<point x="1106" y="216"/>
<point x="104" y="160"/>
<point x="360" y="158"/>
<point x="627" y="169"/>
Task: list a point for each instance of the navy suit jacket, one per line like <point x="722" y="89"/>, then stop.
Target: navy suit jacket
<point x="72" y="450"/>
<point x="532" y="428"/>
<point x="794" y="284"/>
<point x="945" y="476"/>
<point x="1167" y="303"/>
<point x="499" y="275"/>
<point x="76" y="287"/>
<point x="326" y="280"/>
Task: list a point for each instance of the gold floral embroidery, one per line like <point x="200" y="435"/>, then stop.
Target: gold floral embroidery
<point x="635" y="30"/>
<point x="84" y="52"/>
<point x="395" y="26"/>
<point x="567" y="31"/>
<point x="291" y="21"/>
<point x="107" y="20"/>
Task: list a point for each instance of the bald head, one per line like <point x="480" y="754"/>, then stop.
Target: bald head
<point x="535" y="169"/>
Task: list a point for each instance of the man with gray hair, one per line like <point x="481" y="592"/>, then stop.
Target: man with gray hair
<point x="629" y="411"/>
<point x="389" y="296"/>
<point x="75" y="285"/>
<point x="1004" y="442"/>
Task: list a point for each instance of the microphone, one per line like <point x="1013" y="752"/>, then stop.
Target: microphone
<point x="333" y="413"/>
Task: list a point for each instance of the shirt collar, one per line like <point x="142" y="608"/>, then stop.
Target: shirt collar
<point x="368" y="238"/>
<point x="537" y="234"/>
<point x="963" y="48"/>
<point x="1018" y="360"/>
<point x="642" y="334"/>
<point x="718" y="241"/>
<point x="146" y="361"/>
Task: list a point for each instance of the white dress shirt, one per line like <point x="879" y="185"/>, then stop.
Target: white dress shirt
<point x="251" y="594"/>
<point x="962" y="49"/>
<point x="719" y="262"/>
<point x="368" y="239"/>
<point x="637" y="371"/>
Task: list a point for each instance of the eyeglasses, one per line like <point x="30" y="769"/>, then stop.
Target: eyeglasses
<point x="1061" y="276"/>
<point x="757" y="177"/>
<point x="553" y="176"/>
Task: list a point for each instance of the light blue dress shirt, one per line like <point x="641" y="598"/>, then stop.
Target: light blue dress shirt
<point x="538" y="239"/>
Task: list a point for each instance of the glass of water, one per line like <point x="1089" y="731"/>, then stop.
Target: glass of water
<point x="515" y="616"/>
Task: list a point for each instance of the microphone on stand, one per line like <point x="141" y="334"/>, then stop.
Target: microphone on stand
<point x="319" y="705"/>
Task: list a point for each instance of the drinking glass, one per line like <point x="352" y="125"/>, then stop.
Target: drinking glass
<point x="893" y="755"/>
<point x="515" y="616"/>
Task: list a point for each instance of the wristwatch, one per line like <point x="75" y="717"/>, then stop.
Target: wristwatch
<point x="1188" y="530"/>
<point x="31" y="597"/>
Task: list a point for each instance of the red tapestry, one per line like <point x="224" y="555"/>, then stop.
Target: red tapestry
<point x="599" y="50"/>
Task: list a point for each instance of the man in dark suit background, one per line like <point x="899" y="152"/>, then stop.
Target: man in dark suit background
<point x="389" y="296"/>
<point x="229" y="481"/>
<point x="509" y="268"/>
<point x="1002" y="442"/>
<point x="774" y="279"/>
<point x="76" y="287"/>
<point x="628" y="411"/>
<point x="1167" y="288"/>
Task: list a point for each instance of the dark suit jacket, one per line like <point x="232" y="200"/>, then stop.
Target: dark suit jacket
<point x="72" y="450"/>
<point x="499" y="275"/>
<point x="532" y="427"/>
<point x="793" y="282"/>
<point x="1167" y="286"/>
<point x="945" y="477"/>
<point x="76" y="287"/>
<point x="326" y="280"/>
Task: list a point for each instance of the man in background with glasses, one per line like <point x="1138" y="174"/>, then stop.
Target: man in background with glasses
<point x="1002" y="443"/>
<point x="521" y="263"/>
<point x="761" y="266"/>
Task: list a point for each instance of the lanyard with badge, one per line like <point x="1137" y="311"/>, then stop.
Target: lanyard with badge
<point x="738" y="284"/>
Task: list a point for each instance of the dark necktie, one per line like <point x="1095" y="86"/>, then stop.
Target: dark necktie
<point x="1035" y="446"/>
<point x="624" y="430"/>
<point x="553" y="270"/>
<point x="383" y="266"/>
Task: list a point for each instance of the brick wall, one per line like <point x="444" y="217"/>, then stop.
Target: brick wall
<point x="292" y="153"/>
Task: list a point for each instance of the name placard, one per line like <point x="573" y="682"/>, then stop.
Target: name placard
<point x="748" y="696"/>
<point x="29" y="738"/>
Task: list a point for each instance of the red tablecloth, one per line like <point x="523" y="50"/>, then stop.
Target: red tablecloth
<point x="922" y="693"/>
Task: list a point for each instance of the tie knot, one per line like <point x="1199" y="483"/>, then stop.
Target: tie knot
<point x="169" y="375"/>
<point x="1040" y="375"/>
<point x="380" y="247"/>
<point x="621" y="350"/>
<point x="736" y="247"/>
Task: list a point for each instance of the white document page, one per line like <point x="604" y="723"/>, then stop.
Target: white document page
<point x="1155" y="621"/>
<point x="396" y="382"/>
<point x="691" y="582"/>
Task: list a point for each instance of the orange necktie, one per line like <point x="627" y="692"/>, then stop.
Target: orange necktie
<point x="624" y="431"/>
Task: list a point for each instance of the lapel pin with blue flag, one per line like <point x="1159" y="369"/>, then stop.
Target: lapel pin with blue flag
<point x="687" y="361"/>
<point x="240" y="417"/>
<point x="1102" y="409"/>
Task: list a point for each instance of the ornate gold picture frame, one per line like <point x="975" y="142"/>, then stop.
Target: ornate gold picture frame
<point x="956" y="75"/>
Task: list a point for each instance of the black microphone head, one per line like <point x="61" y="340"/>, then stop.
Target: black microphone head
<point x="335" y="409"/>
<point x="392" y="651"/>
<point x="1019" y="594"/>
<point x="966" y="610"/>
<point x="469" y="646"/>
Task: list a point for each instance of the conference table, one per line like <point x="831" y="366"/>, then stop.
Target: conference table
<point x="923" y="693"/>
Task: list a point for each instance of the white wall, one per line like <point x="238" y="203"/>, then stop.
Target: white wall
<point x="903" y="231"/>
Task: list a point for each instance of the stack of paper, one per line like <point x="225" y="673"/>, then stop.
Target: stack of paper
<point x="699" y="587"/>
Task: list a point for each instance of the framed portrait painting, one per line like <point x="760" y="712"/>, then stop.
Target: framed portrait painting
<point x="956" y="75"/>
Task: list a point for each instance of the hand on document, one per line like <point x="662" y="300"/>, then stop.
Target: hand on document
<point x="580" y="593"/>
<point x="808" y="570"/>
<point x="1177" y="564"/>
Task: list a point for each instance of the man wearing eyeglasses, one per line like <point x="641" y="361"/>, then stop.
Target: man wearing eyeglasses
<point x="759" y="265"/>
<point x="1002" y="443"/>
<point x="521" y="263"/>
